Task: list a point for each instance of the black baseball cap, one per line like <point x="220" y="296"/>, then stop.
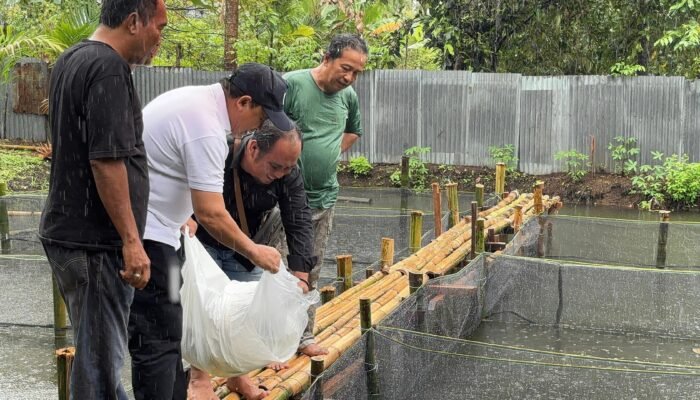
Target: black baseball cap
<point x="267" y="88"/>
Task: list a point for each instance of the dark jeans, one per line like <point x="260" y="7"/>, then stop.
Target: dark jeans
<point x="98" y="305"/>
<point x="155" y="330"/>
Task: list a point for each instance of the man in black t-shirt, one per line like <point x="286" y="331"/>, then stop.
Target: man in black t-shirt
<point x="93" y="221"/>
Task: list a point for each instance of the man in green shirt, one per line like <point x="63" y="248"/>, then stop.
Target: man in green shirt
<point x="327" y="111"/>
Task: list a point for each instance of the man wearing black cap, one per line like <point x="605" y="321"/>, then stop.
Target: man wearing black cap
<point x="185" y="138"/>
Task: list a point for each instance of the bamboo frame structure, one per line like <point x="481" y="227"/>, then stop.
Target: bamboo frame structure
<point x="340" y="323"/>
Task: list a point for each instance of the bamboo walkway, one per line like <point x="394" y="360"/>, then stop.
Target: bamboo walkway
<point x="338" y="320"/>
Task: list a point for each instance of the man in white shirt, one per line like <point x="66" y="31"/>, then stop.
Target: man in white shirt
<point x="185" y="138"/>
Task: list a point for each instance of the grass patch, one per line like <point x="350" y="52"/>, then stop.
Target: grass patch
<point x="23" y="170"/>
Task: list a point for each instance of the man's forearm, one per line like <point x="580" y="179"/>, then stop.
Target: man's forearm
<point x="348" y="140"/>
<point x="111" y="180"/>
<point x="225" y="230"/>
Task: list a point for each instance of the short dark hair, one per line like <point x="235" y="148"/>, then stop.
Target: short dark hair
<point x="232" y="90"/>
<point x="345" y="41"/>
<point x="268" y="134"/>
<point x="114" y="12"/>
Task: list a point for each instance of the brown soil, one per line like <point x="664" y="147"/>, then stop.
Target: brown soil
<point x="599" y="189"/>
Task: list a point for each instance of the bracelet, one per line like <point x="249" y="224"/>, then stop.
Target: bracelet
<point x="306" y="282"/>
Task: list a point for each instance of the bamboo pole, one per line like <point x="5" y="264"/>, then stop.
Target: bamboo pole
<point x="415" y="281"/>
<point x="480" y="235"/>
<point x="490" y="238"/>
<point x="518" y="218"/>
<point x="475" y="216"/>
<point x="316" y="371"/>
<point x="387" y="257"/>
<point x="64" y="365"/>
<point x="370" y="357"/>
<point x="500" y="179"/>
<point x="404" y="171"/>
<point x="437" y="209"/>
<point x="479" y="194"/>
<point x="327" y="294"/>
<point x="20" y="147"/>
<point x="453" y="203"/>
<point x="344" y="264"/>
<point x="60" y="314"/>
<point x="665" y="217"/>
<point x="5" y="244"/>
<point x="538" y="188"/>
<point x="416" y="231"/>
<point x="23" y="213"/>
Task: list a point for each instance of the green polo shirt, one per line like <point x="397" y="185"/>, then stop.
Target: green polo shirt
<point x="322" y="119"/>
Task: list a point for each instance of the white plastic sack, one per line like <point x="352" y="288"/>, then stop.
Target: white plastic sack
<point x="231" y="328"/>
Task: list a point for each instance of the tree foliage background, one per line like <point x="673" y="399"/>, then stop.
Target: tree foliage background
<point x="531" y="37"/>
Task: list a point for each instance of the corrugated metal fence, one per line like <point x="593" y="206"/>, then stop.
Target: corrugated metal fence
<point x="460" y="114"/>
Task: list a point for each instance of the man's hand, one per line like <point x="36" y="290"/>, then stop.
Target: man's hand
<point x="303" y="281"/>
<point x="137" y="265"/>
<point x="192" y="224"/>
<point x="267" y="258"/>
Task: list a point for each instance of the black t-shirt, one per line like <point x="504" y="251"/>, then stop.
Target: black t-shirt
<point x="94" y="113"/>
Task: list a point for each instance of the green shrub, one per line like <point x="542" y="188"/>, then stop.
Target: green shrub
<point x="360" y="166"/>
<point x="672" y="183"/>
<point x="417" y="170"/>
<point x="576" y="163"/>
<point x="506" y="155"/>
<point x="624" y="153"/>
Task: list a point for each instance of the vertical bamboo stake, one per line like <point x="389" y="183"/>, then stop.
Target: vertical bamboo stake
<point x="327" y="294"/>
<point x="344" y="263"/>
<point x="387" y="257"/>
<point x="60" y="314"/>
<point x="491" y="238"/>
<point x="415" y="281"/>
<point x="365" y="314"/>
<point x="64" y="365"/>
<point x="416" y="231"/>
<point x="369" y="272"/>
<point x="480" y="235"/>
<point x="475" y="216"/>
<point x="453" y="203"/>
<point x="538" y="188"/>
<point x="592" y="155"/>
<point x="663" y="239"/>
<point x="517" y="218"/>
<point x="548" y="245"/>
<point x="316" y="371"/>
<point x="4" y="221"/>
<point x="437" y="209"/>
<point x="404" y="171"/>
<point x="370" y="357"/>
<point x="479" y="194"/>
<point x="500" y="179"/>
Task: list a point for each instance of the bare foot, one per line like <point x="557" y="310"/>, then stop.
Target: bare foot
<point x="244" y="386"/>
<point x="200" y="387"/>
<point x="313" y="350"/>
<point x="277" y="366"/>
